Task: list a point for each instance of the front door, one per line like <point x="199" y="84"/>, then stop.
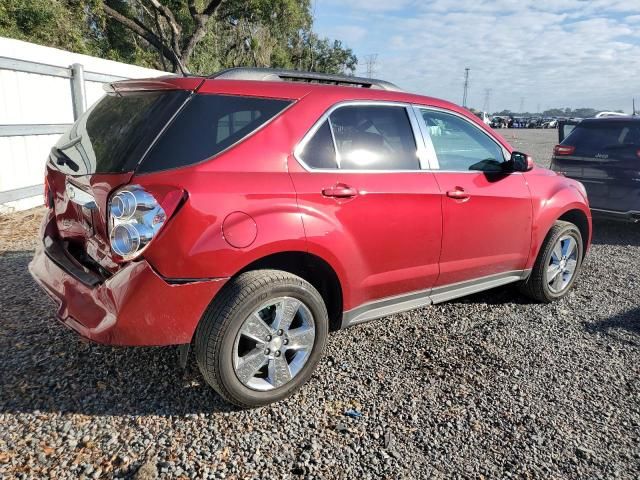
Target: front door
<point x="364" y="175"/>
<point x="487" y="213"/>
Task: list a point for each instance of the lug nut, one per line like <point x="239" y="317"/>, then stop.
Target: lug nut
<point x="280" y="332"/>
<point x="268" y="338"/>
<point x="277" y="354"/>
<point x="267" y="351"/>
<point x="285" y="341"/>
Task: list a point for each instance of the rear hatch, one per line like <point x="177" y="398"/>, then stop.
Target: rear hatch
<point x="100" y="153"/>
<point x="605" y="156"/>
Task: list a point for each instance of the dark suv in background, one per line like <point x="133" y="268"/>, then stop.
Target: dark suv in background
<point x="604" y="154"/>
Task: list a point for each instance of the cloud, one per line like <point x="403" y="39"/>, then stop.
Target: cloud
<point x="555" y="53"/>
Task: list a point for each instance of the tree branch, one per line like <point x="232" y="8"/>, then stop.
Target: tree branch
<point x="176" y="29"/>
<point x="142" y="30"/>
<point x="201" y="20"/>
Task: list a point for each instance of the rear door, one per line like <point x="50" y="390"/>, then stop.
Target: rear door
<point x="486" y="213"/>
<point x="605" y="156"/>
<point x="363" y="170"/>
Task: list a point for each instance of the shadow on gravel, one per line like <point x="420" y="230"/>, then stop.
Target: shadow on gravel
<point x="607" y="232"/>
<point x="624" y="327"/>
<point x="45" y="367"/>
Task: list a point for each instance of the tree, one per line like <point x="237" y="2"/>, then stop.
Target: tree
<point x="202" y="36"/>
<point x="176" y="45"/>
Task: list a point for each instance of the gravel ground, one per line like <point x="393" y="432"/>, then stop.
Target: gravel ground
<point x="490" y="386"/>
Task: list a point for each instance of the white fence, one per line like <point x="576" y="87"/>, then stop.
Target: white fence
<point x="42" y="91"/>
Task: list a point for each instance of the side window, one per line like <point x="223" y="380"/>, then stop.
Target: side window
<point x="460" y="146"/>
<point x="319" y="151"/>
<point x="371" y="137"/>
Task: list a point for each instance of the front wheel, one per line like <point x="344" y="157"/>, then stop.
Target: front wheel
<point x="557" y="265"/>
<point x="261" y="338"/>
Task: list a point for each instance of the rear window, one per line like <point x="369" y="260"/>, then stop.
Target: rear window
<point x="206" y="126"/>
<point x="112" y="136"/>
<point x="591" y="139"/>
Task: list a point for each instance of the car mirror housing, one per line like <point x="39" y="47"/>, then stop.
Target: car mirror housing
<point x="520" y="162"/>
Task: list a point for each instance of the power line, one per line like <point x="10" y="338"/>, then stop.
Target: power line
<point x="466" y="86"/>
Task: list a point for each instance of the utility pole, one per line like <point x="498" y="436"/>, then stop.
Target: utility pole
<point x="538" y="110"/>
<point x="521" y="104"/>
<point x="370" y="62"/>
<point x="487" y="100"/>
<point x="466" y="86"/>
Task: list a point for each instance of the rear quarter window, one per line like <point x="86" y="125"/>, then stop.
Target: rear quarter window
<point x="208" y="125"/>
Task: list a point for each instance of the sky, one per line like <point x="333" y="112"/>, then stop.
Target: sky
<point x="544" y="53"/>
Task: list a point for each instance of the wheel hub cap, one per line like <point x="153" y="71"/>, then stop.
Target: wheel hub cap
<point x="274" y="343"/>
<point x="563" y="264"/>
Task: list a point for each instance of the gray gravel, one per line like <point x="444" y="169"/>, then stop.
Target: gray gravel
<point x="490" y="386"/>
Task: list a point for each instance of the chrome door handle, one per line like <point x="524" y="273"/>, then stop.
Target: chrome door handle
<point x="458" y="194"/>
<point x="340" y="191"/>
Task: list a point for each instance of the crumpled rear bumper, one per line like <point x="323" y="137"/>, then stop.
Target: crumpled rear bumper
<point x="133" y="307"/>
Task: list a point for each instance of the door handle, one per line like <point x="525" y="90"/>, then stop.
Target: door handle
<point x="458" y="194"/>
<point x="340" y="190"/>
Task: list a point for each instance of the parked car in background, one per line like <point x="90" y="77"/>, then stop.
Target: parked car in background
<point x="550" y="123"/>
<point x="484" y="117"/>
<point x="498" y="122"/>
<point x="603" y="154"/>
<point x="250" y="212"/>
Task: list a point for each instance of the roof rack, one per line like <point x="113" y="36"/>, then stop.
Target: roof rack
<point x="274" y="74"/>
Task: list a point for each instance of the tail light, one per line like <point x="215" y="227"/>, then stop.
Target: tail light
<point x="638" y="153"/>
<point x="136" y="216"/>
<point x="563" y="150"/>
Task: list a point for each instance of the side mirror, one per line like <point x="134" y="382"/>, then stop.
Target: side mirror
<point x="521" y="162"/>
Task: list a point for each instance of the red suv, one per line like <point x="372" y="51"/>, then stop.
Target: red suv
<point x="249" y="213"/>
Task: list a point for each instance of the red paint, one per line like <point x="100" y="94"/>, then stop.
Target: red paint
<point x="384" y="234"/>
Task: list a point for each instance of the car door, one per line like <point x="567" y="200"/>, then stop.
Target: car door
<point x="362" y="172"/>
<point x="487" y="212"/>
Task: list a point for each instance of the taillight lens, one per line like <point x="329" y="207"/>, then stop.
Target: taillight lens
<point x="136" y="217"/>
<point x="563" y="150"/>
<point x="638" y="153"/>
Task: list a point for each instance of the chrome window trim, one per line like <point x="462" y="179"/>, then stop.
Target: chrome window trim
<point x="418" y="138"/>
<point x="423" y="125"/>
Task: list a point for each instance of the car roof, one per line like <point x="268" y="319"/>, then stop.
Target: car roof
<point x="626" y="119"/>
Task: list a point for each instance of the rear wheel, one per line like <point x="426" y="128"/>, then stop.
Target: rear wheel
<point x="557" y="265"/>
<point x="261" y="338"/>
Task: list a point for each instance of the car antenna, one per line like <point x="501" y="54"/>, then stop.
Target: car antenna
<point x="633" y="101"/>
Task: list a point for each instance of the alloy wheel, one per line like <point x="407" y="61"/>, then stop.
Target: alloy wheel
<point x="563" y="263"/>
<point x="274" y="343"/>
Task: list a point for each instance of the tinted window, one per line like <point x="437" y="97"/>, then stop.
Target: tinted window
<point x="319" y="151"/>
<point x="461" y="146"/>
<point x="113" y="135"/>
<point x="374" y="138"/>
<point x="206" y="126"/>
<point x="604" y="139"/>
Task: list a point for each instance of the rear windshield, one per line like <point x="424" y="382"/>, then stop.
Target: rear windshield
<point x="206" y="126"/>
<point x="113" y="135"/>
<point x="594" y="138"/>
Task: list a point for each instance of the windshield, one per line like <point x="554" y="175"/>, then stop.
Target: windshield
<point x="113" y="135"/>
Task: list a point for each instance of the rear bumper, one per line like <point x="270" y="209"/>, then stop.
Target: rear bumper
<point x="629" y="216"/>
<point x="134" y="307"/>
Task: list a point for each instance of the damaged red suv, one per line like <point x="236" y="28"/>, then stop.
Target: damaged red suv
<point x="249" y="213"/>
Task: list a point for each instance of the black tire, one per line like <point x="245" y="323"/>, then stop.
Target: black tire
<point x="536" y="286"/>
<point x="221" y="322"/>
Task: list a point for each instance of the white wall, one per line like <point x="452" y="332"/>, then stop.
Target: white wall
<point x="30" y="98"/>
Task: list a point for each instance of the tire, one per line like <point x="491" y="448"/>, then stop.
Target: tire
<point x="538" y="286"/>
<point x="221" y="336"/>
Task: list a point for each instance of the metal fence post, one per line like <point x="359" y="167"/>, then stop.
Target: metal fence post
<point x="78" y="95"/>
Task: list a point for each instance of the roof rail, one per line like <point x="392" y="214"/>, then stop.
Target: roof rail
<point x="275" y="74"/>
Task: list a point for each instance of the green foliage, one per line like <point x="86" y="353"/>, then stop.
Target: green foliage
<point x="264" y="33"/>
